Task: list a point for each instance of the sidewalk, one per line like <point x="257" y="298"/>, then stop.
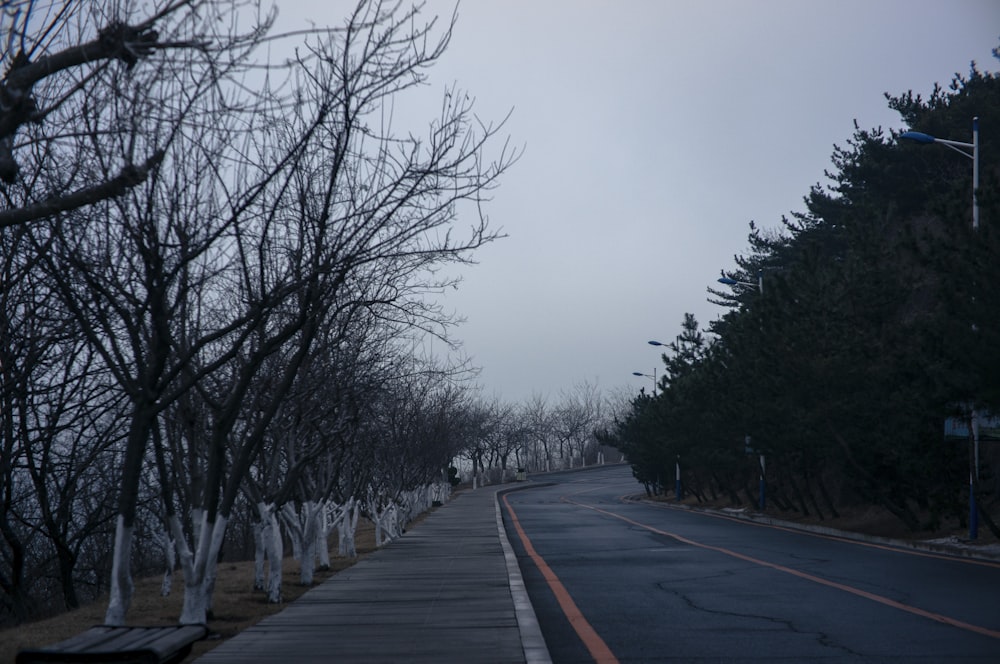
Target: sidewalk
<point x="448" y="590"/>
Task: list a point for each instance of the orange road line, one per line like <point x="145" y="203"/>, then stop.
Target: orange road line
<point x="809" y="577"/>
<point x="594" y="643"/>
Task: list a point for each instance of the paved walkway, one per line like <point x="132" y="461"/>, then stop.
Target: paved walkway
<point x="446" y="591"/>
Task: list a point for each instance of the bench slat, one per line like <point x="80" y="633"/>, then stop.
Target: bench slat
<point x="120" y="644"/>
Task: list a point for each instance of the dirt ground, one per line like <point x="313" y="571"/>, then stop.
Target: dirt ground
<point x="236" y="605"/>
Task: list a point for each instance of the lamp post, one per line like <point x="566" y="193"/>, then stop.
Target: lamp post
<point x="653" y="377"/>
<point x="971" y="151"/>
<point x="677" y="467"/>
<point x="761" y="497"/>
<point x="677" y="479"/>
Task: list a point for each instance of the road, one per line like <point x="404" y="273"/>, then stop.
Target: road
<point x="620" y="580"/>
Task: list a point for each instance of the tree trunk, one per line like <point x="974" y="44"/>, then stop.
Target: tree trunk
<point x="170" y="561"/>
<point x="308" y="533"/>
<point x="258" y="555"/>
<point x="800" y="499"/>
<point x="67" y="561"/>
<point x="826" y="497"/>
<point x="274" y="550"/>
<point x="120" y="594"/>
<point x="346" y="528"/>
<point x="275" y="553"/>
<point x="985" y="516"/>
<point x="16" y="595"/>
<point x="323" y="529"/>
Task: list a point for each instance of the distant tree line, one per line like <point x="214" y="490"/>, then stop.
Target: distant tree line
<point x="853" y="333"/>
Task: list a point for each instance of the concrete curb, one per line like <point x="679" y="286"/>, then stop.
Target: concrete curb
<point x="535" y="650"/>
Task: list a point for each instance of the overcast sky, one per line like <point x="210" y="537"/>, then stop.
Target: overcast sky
<point x="653" y="133"/>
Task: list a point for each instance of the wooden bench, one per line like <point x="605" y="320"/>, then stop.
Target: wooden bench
<point x="136" y="645"/>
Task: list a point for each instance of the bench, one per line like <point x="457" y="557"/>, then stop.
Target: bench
<point x="136" y="645"/>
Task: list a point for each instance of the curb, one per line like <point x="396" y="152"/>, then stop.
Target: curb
<point x="532" y="641"/>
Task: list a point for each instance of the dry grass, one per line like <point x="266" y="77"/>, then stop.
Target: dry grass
<point x="236" y="605"/>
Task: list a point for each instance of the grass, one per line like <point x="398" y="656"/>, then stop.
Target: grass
<point x="236" y="605"/>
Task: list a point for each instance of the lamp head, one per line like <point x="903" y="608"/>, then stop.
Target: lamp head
<point x="917" y="137"/>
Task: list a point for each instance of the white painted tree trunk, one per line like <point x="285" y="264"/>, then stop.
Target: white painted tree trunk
<point x="274" y="549"/>
<point x="197" y="517"/>
<point x="296" y="546"/>
<point x="323" y="530"/>
<point x="211" y="564"/>
<point x="194" y="610"/>
<point x="440" y="491"/>
<point x="302" y="528"/>
<point x="376" y="517"/>
<point x="170" y="561"/>
<point x="121" y="576"/>
<point x="385" y="522"/>
<point x="199" y="567"/>
<point x="404" y="510"/>
<point x="307" y="565"/>
<point x="347" y="526"/>
<point x="259" y="555"/>
<point x="192" y="592"/>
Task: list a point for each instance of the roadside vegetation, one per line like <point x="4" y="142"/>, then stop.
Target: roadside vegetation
<point x="218" y="276"/>
<point x="853" y="335"/>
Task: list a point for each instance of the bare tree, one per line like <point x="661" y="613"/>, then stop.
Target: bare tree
<point x="575" y="421"/>
<point x="248" y="216"/>
<point x="118" y="270"/>
<point x="59" y="417"/>
<point x="537" y="418"/>
<point x="58" y="58"/>
<point x="343" y="202"/>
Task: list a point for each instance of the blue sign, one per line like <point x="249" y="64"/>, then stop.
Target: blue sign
<point x="957" y="428"/>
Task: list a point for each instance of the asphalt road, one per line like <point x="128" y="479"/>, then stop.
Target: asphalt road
<point x="618" y="580"/>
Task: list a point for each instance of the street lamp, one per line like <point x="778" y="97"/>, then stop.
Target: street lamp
<point x="653" y="377"/>
<point x="677" y="466"/>
<point x="761" y="499"/>
<point x="733" y="282"/>
<point x="971" y="151"/>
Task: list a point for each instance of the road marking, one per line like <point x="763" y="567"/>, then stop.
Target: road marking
<point x="594" y="643"/>
<point x="835" y="538"/>
<point x="803" y="575"/>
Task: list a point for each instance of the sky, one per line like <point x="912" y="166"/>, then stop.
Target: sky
<point x="654" y="132"/>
